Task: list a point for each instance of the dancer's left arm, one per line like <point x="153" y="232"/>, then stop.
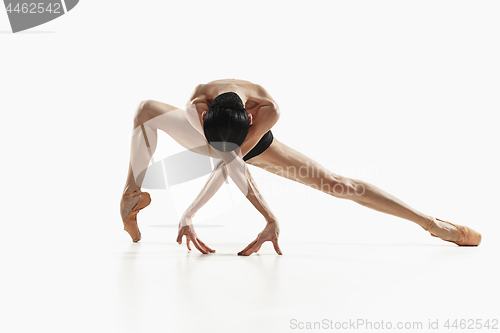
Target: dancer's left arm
<point x="267" y="117"/>
<point x="272" y="230"/>
<point x="240" y="174"/>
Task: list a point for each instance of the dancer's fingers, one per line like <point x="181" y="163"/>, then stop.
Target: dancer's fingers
<point x="204" y="245"/>
<point x="255" y="248"/>
<point x="179" y="238"/>
<point x="242" y="252"/>
<point x="276" y="247"/>
<point x="198" y="246"/>
<point x="187" y="243"/>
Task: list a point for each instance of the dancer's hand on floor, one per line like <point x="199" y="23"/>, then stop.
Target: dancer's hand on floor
<point x="270" y="233"/>
<point x="191" y="236"/>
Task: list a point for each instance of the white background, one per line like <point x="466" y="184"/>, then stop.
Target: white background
<point x="402" y="94"/>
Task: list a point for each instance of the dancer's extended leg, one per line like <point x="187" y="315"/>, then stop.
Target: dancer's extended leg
<point x="291" y="164"/>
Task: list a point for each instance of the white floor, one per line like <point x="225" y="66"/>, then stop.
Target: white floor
<point x="89" y="276"/>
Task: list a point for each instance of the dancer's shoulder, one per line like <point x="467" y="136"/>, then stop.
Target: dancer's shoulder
<point x="198" y="95"/>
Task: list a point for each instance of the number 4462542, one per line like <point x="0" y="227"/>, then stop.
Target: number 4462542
<point x="33" y="8"/>
<point x="472" y="324"/>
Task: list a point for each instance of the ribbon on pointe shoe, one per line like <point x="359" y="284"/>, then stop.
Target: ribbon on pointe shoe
<point x="133" y="194"/>
<point x="130" y="223"/>
<point x="429" y="226"/>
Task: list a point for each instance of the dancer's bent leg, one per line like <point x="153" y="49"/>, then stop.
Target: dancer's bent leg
<point x="149" y="117"/>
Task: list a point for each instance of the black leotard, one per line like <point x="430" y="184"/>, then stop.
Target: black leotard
<point x="261" y="146"/>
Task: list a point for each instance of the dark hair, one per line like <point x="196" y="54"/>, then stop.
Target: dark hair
<point x="226" y="122"/>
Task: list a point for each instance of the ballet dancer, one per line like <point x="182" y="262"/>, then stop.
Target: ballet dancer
<point x="231" y="120"/>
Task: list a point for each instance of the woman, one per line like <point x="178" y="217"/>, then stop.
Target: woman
<point x="232" y="120"/>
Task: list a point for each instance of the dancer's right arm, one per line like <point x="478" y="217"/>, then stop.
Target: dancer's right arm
<point x="214" y="182"/>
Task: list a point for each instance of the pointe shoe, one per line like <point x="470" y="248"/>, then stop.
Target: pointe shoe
<point x="470" y="237"/>
<point x="130" y="224"/>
